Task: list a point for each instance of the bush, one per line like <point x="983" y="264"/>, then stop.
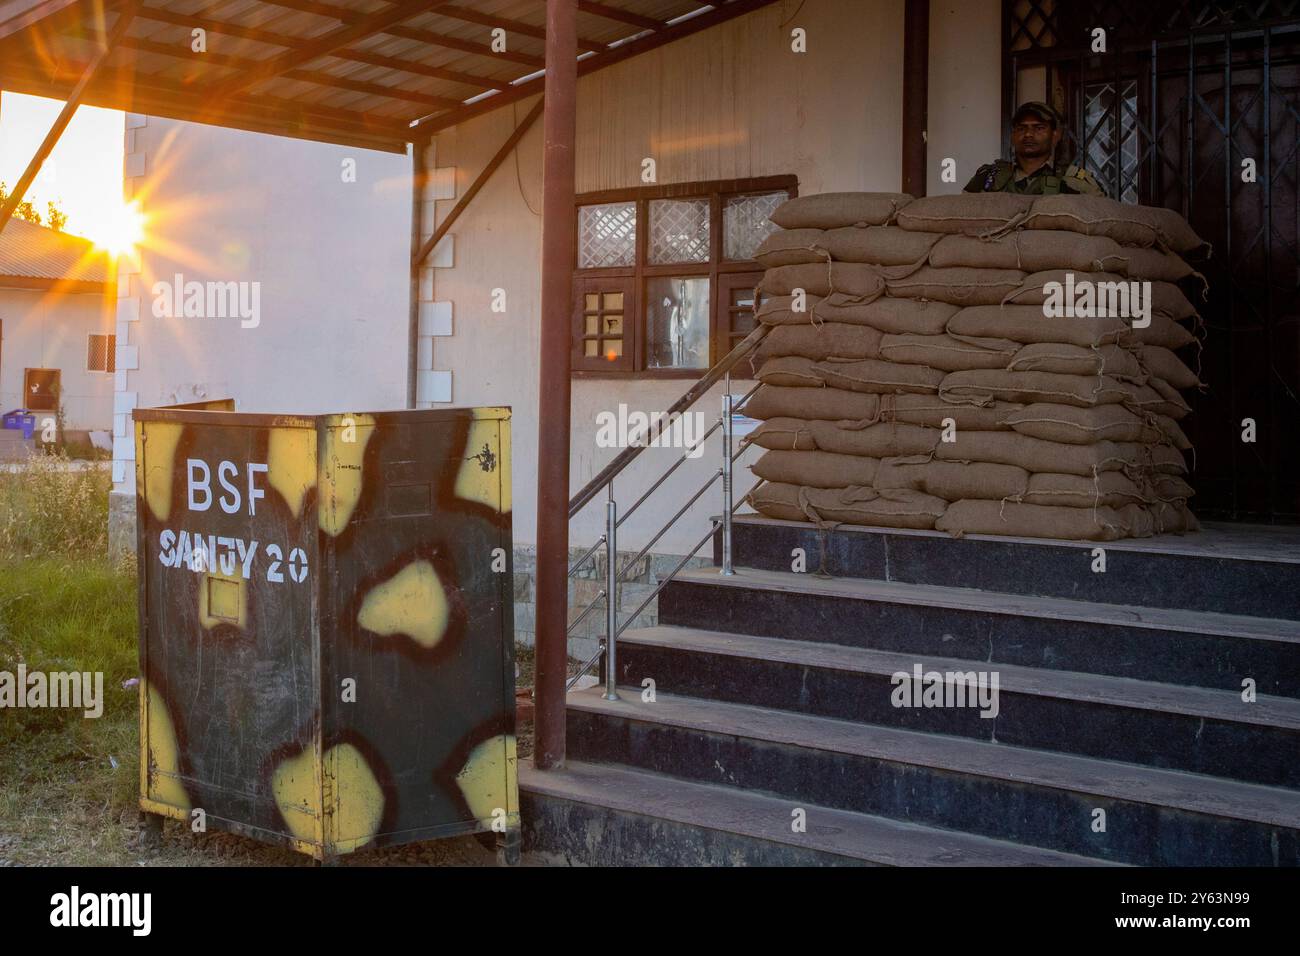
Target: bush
<point x="49" y="506"/>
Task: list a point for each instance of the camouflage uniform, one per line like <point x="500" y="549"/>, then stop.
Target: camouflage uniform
<point x="1001" y="176"/>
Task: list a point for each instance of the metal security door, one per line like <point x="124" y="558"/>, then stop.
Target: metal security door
<point x="1196" y="106"/>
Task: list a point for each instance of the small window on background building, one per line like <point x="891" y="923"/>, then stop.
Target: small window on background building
<point x="100" y="350"/>
<point x="684" y="286"/>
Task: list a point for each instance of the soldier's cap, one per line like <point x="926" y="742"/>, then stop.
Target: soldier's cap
<point x="1039" y="109"/>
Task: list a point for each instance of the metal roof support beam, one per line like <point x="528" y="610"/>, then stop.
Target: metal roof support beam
<point x="479" y="180"/>
<point x="324" y="45"/>
<point x="61" y="121"/>
<point x="272" y="38"/>
<point x="559" y="219"/>
<point x="721" y="14"/>
<point x="622" y="16"/>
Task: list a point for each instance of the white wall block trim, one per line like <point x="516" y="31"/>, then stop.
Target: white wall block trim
<point x="127" y="357"/>
<point x="433" y="386"/>
<point x="435" y="318"/>
<point x="124" y="402"/>
<point x="442" y="182"/>
<point x="128" y="310"/>
<point x="424" y="353"/>
<point x="133" y="165"/>
<point x="443" y="255"/>
<point x="136" y="120"/>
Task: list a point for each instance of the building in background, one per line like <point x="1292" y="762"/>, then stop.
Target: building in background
<point x="57" y="343"/>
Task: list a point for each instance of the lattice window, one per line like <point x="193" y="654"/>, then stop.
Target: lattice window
<point x="745" y="223"/>
<point x="1031" y="24"/>
<point x="100" y="351"/>
<point x="679" y="231"/>
<point x="607" y="235"/>
<point x="1110" y="133"/>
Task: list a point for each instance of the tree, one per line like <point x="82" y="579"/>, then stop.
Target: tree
<point x="25" y="210"/>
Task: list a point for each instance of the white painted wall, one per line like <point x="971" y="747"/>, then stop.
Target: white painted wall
<point x="42" y="329"/>
<point x="330" y="257"/>
<point x="965" y="108"/>
<point x="731" y="102"/>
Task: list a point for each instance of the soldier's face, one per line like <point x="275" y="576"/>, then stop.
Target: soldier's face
<point x="1033" y="138"/>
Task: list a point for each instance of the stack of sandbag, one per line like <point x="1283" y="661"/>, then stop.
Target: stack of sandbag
<point x="912" y="376"/>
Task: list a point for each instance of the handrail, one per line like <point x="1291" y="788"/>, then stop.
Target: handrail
<point x="638" y="445"/>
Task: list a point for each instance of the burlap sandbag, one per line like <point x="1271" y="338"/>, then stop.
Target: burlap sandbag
<point x="1073" y="425"/>
<point x="1065" y="359"/>
<point x="961" y="287"/>
<point x="783" y="434"/>
<point x="880" y="378"/>
<point x="808" y="404"/>
<point x="1162" y="331"/>
<point x="791" y="371"/>
<point x="887" y="314"/>
<point x="1092" y="216"/>
<point x="1127" y="224"/>
<point x="1172" y="432"/>
<point x="877" y="508"/>
<point x="980" y="386"/>
<point x="790" y="247"/>
<point x="1111" y="489"/>
<point x="972" y="516"/>
<point x="933" y="412"/>
<point x="1161" y="363"/>
<point x="1170" y="488"/>
<point x="822" y="341"/>
<point x="1027" y="324"/>
<point x="1028" y="252"/>
<point x="1166" y="298"/>
<point x="881" y="245"/>
<point x="851" y="278"/>
<point x="1036" y="454"/>
<point x="892" y="508"/>
<point x="816" y="469"/>
<point x="1172" y="517"/>
<point x="836" y="210"/>
<point x="946" y="353"/>
<point x="1169" y="401"/>
<point x="952" y="480"/>
<point x="970" y="214"/>
<point x="1155" y="265"/>
<point x="887" y="440"/>
<point x="779" y="310"/>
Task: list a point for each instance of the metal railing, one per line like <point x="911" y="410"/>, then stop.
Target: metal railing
<point x="614" y="575"/>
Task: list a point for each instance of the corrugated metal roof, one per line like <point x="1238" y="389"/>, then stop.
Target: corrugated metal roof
<point x="28" y="251"/>
<point x="378" y="73"/>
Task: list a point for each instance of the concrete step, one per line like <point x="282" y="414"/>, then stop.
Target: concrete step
<point x="604" y="815"/>
<point x="1153" y="817"/>
<point x="1231" y="569"/>
<point x="1168" y="645"/>
<point x="1161" y="725"/>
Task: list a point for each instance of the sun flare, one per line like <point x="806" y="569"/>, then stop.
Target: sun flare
<point x="121" y="230"/>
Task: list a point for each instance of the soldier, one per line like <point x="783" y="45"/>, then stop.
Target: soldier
<point x="1035" y="135"/>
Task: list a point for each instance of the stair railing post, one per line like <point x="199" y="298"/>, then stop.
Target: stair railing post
<point x="611" y="594"/>
<point x="726" y="478"/>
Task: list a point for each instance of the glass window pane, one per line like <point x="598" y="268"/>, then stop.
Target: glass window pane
<point x="613" y="324"/>
<point x="607" y="235"/>
<point x="613" y="348"/>
<point x="745" y="224"/>
<point x="679" y="230"/>
<point x="677" y="323"/>
<point x="590" y="348"/>
<point x="593" y="301"/>
<point x="593" y="325"/>
<point x="614" y="301"/>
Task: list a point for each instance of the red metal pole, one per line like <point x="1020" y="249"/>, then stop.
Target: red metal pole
<point x="558" y="256"/>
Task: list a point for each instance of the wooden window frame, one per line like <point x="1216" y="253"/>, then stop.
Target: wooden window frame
<point x="631" y="280"/>
<point x="110" y="349"/>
